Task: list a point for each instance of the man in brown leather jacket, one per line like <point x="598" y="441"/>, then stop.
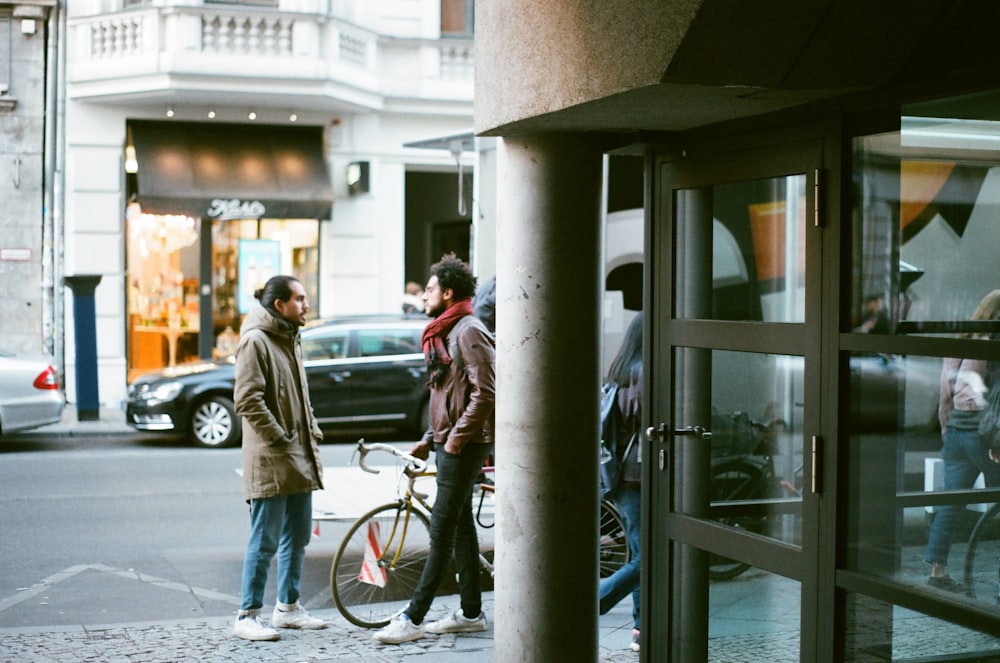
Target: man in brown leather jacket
<point x="460" y="356"/>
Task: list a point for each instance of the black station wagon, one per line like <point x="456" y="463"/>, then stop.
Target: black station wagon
<point x="364" y="374"/>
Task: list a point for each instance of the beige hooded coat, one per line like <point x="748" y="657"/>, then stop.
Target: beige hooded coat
<point x="280" y="433"/>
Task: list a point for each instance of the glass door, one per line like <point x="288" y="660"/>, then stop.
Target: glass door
<point x="735" y="366"/>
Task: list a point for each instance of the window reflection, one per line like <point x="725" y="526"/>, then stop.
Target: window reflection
<point x="757" y="247"/>
<point x="925" y="225"/>
<point x="920" y="512"/>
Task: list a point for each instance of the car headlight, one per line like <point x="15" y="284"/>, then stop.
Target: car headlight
<point x="167" y="391"/>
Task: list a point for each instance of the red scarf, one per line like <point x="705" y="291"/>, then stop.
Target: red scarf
<point x="434" y="340"/>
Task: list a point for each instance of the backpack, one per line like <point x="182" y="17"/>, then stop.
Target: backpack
<point x="613" y="435"/>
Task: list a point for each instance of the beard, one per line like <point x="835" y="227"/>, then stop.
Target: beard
<point x="436" y="310"/>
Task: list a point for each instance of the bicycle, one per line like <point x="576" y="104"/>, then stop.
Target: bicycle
<point x="379" y="562"/>
<point x="982" y="557"/>
<point x="746" y="475"/>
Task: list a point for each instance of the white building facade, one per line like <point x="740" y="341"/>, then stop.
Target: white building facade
<point x="209" y="145"/>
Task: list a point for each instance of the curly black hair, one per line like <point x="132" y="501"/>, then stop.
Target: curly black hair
<point x="454" y="273"/>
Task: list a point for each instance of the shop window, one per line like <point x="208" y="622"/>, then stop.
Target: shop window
<point x="457" y="18"/>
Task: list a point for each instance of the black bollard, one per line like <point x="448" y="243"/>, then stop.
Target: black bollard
<point x="88" y="402"/>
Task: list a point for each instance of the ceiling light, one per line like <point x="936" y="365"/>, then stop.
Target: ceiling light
<point x="131" y="163"/>
<point x="170" y="112"/>
<point x="211" y="114"/>
<point x="293" y="118"/>
<point x="252" y="115"/>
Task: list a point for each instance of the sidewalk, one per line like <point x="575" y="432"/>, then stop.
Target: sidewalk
<point x="211" y="640"/>
<point x="111" y="421"/>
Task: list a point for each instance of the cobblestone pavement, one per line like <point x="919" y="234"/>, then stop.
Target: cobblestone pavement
<point x="211" y="640"/>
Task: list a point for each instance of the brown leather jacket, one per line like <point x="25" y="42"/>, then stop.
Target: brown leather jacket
<point x="461" y="409"/>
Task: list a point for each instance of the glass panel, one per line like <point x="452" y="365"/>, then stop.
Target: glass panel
<point x="755" y="461"/>
<point x="327" y="346"/>
<point x="877" y="631"/>
<point x="925" y="225"/>
<point x="381" y="342"/>
<point x="163" y="304"/>
<point x="757" y="247"/>
<point x="755" y="619"/>
<point x="897" y="461"/>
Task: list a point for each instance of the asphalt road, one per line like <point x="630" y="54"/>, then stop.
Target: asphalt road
<point x="97" y="530"/>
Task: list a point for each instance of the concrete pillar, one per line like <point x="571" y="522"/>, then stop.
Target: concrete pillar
<point x="549" y="267"/>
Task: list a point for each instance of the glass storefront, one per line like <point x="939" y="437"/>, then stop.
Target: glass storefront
<point x="215" y="210"/>
<point x="165" y="277"/>
<point x="921" y="530"/>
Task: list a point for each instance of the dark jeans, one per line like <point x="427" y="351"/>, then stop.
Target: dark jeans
<point x="625" y="580"/>
<point x="964" y="458"/>
<point x="453" y="531"/>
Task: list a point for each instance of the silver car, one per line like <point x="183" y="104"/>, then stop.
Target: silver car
<point x="29" y="392"/>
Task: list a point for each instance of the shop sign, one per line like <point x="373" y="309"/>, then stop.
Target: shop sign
<point x="229" y="209"/>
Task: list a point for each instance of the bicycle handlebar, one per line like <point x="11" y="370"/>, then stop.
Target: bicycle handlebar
<point x="414" y="465"/>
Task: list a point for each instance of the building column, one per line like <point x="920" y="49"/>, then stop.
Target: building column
<point x="549" y="270"/>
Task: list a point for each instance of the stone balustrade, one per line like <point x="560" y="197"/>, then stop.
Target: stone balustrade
<point x="109" y="51"/>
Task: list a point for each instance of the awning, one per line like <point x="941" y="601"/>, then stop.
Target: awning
<point x="231" y="171"/>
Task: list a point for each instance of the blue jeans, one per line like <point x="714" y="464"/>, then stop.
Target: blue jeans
<point x="964" y="458"/>
<point x="453" y="531"/>
<point x="625" y="581"/>
<point x="281" y="525"/>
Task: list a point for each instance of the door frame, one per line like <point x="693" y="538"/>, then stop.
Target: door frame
<point x="675" y="600"/>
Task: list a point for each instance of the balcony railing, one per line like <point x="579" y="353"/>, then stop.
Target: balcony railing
<point x="146" y="49"/>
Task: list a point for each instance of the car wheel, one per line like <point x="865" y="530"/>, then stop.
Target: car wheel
<point x="214" y="423"/>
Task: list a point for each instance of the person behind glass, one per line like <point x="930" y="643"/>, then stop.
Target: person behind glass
<point x="281" y="461"/>
<point x="876" y="320"/>
<point x="963" y="397"/>
<point x="460" y="357"/>
<point x="626" y="371"/>
<point x="413" y="298"/>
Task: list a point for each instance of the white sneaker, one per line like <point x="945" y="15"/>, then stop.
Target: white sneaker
<point x="293" y="615"/>
<point x="457" y="622"/>
<point x="249" y="627"/>
<point x="399" y="630"/>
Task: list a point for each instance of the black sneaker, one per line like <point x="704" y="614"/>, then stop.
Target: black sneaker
<point x="946" y="583"/>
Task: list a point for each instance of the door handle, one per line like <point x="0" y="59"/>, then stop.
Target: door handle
<point x="694" y="431"/>
<point x="339" y="376"/>
<point x="654" y="433"/>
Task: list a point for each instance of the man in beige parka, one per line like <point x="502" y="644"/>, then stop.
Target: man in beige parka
<point x="281" y="461"/>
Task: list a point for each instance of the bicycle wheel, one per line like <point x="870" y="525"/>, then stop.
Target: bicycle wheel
<point x="735" y="479"/>
<point x="379" y="563"/>
<point x="982" y="558"/>
<point x="614" y="550"/>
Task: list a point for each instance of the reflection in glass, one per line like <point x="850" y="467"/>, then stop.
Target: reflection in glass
<point x="755" y="459"/>
<point x="898" y="634"/>
<point x="757" y="247"/>
<point x="756" y="618"/>
<point x="897" y="463"/>
<point x="925" y="227"/>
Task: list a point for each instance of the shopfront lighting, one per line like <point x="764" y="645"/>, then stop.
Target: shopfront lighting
<point x="160" y="233"/>
<point x="131" y="163"/>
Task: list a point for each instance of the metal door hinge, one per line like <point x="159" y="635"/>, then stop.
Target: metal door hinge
<point x="817" y="188"/>
<point x="816" y="474"/>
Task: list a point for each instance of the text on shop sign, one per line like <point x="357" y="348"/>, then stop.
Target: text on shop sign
<point x="234" y="208"/>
